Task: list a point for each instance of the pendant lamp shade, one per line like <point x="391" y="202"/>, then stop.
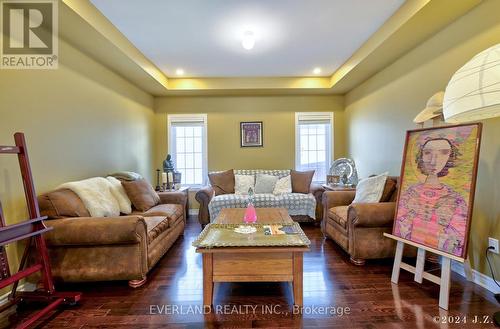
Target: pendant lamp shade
<point x="473" y="92"/>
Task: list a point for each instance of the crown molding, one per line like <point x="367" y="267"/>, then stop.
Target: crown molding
<point x="85" y="27"/>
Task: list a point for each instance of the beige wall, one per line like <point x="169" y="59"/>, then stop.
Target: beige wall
<point x="380" y="110"/>
<point x="224" y="116"/>
<point x="80" y="120"/>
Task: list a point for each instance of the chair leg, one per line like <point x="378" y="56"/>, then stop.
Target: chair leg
<point x="137" y="283"/>
<point x="357" y="261"/>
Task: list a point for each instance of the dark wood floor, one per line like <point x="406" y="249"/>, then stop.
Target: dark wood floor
<point x="330" y="281"/>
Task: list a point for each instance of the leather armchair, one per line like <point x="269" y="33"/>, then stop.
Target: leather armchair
<point x="358" y="228"/>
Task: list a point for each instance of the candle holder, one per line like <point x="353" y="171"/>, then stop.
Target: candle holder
<point x="158" y="187"/>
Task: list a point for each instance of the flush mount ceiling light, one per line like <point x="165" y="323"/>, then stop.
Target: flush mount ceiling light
<point x="317" y="70"/>
<point x="179" y="72"/>
<point x="248" y="41"/>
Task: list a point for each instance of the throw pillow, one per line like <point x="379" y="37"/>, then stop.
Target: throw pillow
<point x="301" y="181"/>
<point x="369" y="190"/>
<point x="120" y="195"/>
<point x="222" y="182"/>
<point x="141" y="193"/>
<point x="61" y="203"/>
<point x="283" y="185"/>
<point x="265" y="183"/>
<point x="243" y="183"/>
<point x="389" y="188"/>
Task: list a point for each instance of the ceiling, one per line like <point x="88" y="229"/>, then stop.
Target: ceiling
<point x="204" y="37"/>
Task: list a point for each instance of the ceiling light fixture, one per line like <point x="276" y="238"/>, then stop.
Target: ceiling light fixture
<point x="248" y="41"/>
<point x="179" y="72"/>
<point x="317" y="70"/>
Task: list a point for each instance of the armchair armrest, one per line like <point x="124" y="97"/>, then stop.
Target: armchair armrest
<point x="317" y="191"/>
<point x="337" y="198"/>
<point x="173" y="198"/>
<point x="96" y="231"/>
<point x="372" y="214"/>
<point x="203" y="196"/>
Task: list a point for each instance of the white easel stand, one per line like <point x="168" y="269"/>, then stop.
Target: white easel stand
<point x="418" y="269"/>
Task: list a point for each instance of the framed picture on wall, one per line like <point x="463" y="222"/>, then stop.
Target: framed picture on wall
<point x="438" y="178"/>
<point x="251" y="134"/>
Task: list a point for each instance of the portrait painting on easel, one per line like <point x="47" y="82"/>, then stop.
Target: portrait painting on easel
<point x="438" y="177"/>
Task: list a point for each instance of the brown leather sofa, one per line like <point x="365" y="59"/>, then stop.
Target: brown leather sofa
<point x="358" y="228"/>
<point x="84" y="248"/>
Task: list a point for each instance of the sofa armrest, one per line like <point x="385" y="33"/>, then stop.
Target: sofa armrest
<point x="173" y="198"/>
<point x="203" y="196"/>
<point x="317" y="191"/>
<point x="371" y="214"/>
<point x="96" y="231"/>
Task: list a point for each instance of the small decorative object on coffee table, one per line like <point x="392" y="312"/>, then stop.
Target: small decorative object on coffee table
<point x="251" y="134"/>
<point x="258" y="257"/>
<point x="250" y="213"/>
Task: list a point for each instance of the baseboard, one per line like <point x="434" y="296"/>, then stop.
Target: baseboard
<point x="477" y="277"/>
<point x="194" y="212"/>
<point x="26" y="286"/>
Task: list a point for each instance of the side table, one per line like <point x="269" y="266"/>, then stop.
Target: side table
<point x="338" y="187"/>
<point x="185" y="190"/>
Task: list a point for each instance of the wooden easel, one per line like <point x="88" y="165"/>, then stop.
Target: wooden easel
<point x="418" y="269"/>
<point x="30" y="230"/>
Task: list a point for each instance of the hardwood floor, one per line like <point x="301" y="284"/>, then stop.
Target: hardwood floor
<point x="330" y="281"/>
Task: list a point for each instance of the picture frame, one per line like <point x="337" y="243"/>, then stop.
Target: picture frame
<point x="251" y="134"/>
<point x="437" y="186"/>
<point x="332" y="180"/>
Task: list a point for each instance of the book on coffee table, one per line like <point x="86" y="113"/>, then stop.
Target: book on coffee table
<point x="279" y="229"/>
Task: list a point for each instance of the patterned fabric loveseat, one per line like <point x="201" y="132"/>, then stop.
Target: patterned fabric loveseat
<point x="305" y="206"/>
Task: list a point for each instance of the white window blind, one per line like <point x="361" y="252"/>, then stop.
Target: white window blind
<point x="188" y="147"/>
<point x="314" y="143"/>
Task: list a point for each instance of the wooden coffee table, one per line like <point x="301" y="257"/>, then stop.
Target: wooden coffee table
<point x="252" y="264"/>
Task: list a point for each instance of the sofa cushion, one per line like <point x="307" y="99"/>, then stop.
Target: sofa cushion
<point x="243" y="183"/>
<point x="142" y="194"/>
<point x="301" y="181"/>
<point x="61" y="203"/>
<point x="339" y="215"/>
<point x="171" y="211"/>
<point x="265" y="183"/>
<point x="283" y="185"/>
<point x="155" y="226"/>
<point x="222" y="182"/>
<point x="369" y="190"/>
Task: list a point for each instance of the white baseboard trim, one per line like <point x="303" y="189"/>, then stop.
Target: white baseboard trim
<point x="477" y="277"/>
<point x="194" y="212"/>
<point x="26" y="286"/>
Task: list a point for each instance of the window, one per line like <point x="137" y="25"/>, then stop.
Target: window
<point x="188" y="147"/>
<point x="313" y="143"/>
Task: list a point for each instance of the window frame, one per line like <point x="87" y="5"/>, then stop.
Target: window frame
<point x="315" y="116"/>
<point x="187" y="118"/>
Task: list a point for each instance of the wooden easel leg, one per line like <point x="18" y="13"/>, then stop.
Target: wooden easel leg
<point x="419" y="267"/>
<point x="444" y="291"/>
<point x="397" y="262"/>
<point x="468" y="270"/>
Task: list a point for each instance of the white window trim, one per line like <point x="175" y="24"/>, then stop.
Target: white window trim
<point x="312" y="116"/>
<point x="202" y="117"/>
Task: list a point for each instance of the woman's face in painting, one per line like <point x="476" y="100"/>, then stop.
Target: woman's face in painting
<point x="435" y="155"/>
